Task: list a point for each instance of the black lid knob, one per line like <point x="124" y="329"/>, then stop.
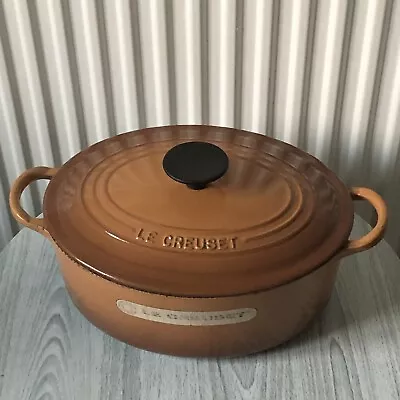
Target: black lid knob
<point x="196" y="164"/>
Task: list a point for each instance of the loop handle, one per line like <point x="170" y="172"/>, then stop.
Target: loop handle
<point x="376" y="234"/>
<point x="19" y="185"/>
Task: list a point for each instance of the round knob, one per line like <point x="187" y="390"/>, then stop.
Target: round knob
<point x="196" y="164"/>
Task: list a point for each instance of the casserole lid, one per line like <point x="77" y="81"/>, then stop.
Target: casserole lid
<point x="197" y="211"/>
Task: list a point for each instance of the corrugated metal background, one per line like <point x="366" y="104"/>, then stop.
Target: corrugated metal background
<point x="323" y="75"/>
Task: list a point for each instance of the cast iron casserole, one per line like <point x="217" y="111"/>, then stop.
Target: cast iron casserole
<point x="198" y="240"/>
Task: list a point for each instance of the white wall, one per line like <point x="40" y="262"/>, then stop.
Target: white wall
<point x="323" y="75"/>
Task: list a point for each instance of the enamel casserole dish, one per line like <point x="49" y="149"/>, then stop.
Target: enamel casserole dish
<point x="198" y="240"/>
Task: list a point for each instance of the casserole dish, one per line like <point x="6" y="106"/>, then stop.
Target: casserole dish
<point x="198" y="240"/>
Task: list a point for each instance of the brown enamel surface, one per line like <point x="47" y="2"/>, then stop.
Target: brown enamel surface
<point x="236" y="268"/>
<point x="276" y="215"/>
<point x="282" y="313"/>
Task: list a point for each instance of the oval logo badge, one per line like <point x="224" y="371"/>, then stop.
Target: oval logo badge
<point x="187" y="318"/>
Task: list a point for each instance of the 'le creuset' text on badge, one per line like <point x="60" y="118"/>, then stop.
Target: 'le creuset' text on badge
<point x="188" y="318"/>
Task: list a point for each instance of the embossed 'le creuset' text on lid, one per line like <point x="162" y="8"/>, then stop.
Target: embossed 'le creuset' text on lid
<point x="197" y="211"/>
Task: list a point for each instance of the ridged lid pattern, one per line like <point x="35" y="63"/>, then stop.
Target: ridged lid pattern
<point x="277" y="214"/>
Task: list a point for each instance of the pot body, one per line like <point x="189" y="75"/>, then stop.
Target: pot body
<point x="240" y="325"/>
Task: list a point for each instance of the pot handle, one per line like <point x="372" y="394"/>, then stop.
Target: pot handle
<point x="19" y="185"/>
<point x="377" y="232"/>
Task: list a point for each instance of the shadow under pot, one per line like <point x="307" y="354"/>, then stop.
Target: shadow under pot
<point x="198" y="240"/>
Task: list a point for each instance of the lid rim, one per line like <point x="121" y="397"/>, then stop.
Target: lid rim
<point x="111" y="279"/>
<point x="58" y="216"/>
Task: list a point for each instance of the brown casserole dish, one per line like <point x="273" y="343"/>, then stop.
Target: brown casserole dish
<point x="198" y="240"/>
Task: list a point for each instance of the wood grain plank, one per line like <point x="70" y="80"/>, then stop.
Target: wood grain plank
<point x="49" y="351"/>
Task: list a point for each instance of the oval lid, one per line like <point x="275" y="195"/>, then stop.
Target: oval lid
<point x="268" y="213"/>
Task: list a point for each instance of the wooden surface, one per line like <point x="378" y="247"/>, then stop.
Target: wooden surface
<point x="49" y="351"/>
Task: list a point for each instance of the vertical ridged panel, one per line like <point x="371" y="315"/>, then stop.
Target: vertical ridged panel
<point x="58" y="80"/>
<point x="27" y="75"/>
<point x="221" y="21"/>
<point x="386" y="138"/>
<point x="294" y="20"/>
<point x="13" y="158"/>
<point x="90" y="68"/>
<point x="153" y="37"/>
<point x="41" y="145"/>
<point x="329" y="35"/>
<point x="257" y="57"/>
<point x="323" y="75"/>
<point x="122" y="64"/>
<point x="385" y="157"/>
<point x="363" y="58"/>
<point x="187" y="38"/>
